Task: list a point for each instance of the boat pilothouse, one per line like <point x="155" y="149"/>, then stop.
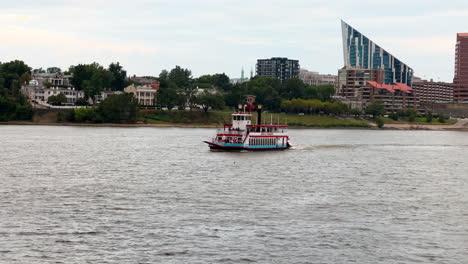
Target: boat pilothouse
<point x="242" y="135"/>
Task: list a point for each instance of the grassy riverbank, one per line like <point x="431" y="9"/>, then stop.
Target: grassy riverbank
<point x="419" y="121"/>
<point x="193" y="119"/>
<point x="223" y="117"/>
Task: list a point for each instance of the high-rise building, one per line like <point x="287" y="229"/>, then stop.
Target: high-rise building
<point x="460" y="89"/>
<point x="280" y="68"/>
<point x="360" y="52"/>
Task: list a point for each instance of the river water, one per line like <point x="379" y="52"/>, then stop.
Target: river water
<point x="158" y="195"/>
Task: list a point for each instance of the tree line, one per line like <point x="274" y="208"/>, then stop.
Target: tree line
<point x="179" y="88"/>
<point x="13" y="105"/>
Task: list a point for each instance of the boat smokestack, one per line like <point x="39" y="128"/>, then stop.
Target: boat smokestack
<point x="259" y="112"/>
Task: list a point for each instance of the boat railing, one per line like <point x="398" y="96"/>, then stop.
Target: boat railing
<point x="230" y="131"/>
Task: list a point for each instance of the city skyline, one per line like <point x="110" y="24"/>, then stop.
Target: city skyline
<point x="222" y="36"/>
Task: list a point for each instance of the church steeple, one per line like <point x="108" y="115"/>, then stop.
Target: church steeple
<point x="242" y="74"/>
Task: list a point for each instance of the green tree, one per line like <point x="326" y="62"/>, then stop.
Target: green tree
<point x="180" y="77"/>
<point x="265" y="89"/>
<point x="375" y="109"/>
<point x="412" y="113"/>
<point x="293" y="88"/>
<point x="164" y="75"/>
<point x="40" y="70"/>
<point x="58" y="99"/>
<point x="428" y="116"/>
<point x="168" y="97"/>
<point x="100" y="80"/>
<point x="208" y="100"/>
<point x="379" y="121"/>
<point x="24" y="112"/>
<point x="441" y="119"/>
<point x="54" y="70"/>
<point x="15" y="108"/>
<point x="355" y="112"/>
<point x="119" y="81"/>
<point x="84" y="72"/>
<point x="118" y="108"/>
<point x="7" y="108"/>
<point x="394" y="116"/>
<point x="325" y="92"/>
<point x="81" y="101"/>
<point x="12" y="76"/>
<point x="221" y="81"/>
<point x="85" y="114"/>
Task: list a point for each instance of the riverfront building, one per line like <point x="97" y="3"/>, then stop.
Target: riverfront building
<point x="44" y="85"/>
<point x="370" y="73"/>
<point x="433" y="92"/>
<point x="358" y="87"/>
<point x="315" y="78"/>
<point x="280" y="68"/>
<point x="360" y="52"/>
<point x="460" y="89"/>
<point x="145" y="94"/>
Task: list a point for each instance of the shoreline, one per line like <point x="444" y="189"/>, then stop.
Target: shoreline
<point x="461" y="125"/>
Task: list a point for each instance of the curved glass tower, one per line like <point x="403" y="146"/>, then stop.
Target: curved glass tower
<point x="360" y="52"/>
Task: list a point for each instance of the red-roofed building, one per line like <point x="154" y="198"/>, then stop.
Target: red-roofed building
<point x="393" y="96"/>
<point x="359" y="87"/>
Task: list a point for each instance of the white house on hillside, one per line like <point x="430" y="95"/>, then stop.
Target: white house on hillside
<point x="145" y="94"/>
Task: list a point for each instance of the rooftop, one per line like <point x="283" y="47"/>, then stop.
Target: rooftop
<point x="391" y="87"/>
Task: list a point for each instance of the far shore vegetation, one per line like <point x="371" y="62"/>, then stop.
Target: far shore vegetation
<point x="289" y="102"/>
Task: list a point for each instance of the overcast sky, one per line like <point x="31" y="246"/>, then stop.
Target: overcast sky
<point x="214" y="36"/>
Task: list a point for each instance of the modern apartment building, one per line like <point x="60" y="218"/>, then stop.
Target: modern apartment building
<point x="315" y="78"/>
<point x="359" y="87"/>
<point x="460" y="81"/>
<point x="351" y="80"/>
<point x="433" y="92"/>
<point x="280" y="68"/>
<point x="360" y="52"/>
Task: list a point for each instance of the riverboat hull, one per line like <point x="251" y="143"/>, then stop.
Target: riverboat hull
<point x="242" y="147"/>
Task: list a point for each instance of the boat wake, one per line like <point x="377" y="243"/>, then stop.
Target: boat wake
<point x="320" y="147"/>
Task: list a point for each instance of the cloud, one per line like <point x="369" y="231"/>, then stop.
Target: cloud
<point x="432" y="45"/>
<point x="20" y="36"/>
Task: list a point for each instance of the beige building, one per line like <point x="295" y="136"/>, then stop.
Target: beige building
<point x="145" y="94"/>
<point x="315" y="78"/>
<point x="52" y="79"/>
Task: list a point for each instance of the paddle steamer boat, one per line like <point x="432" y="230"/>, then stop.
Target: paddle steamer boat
<point x="242" y="135"/>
